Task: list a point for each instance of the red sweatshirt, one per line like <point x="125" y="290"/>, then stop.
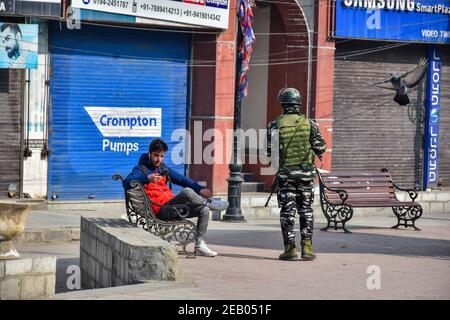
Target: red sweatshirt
<point x="159" y="193"/>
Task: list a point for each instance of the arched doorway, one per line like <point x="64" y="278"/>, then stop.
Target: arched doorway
<point x="281" y="58"/>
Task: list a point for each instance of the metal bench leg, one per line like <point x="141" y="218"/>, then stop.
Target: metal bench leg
<point x="337" y="214"/>
<point x="407" y="214"/>
<point x="345" y="229"/>
<point x="325" y="208"/>
<point x="327" y="227"/>
<point x="187" y="253"/>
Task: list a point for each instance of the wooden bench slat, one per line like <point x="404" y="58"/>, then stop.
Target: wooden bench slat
<point x="350" y="185"/>
<point x="375" y="201"/>
<point x="356" y="174"/>
<point x="364" y="190"/>
<point x="355" y="179"/>
<point x="361" y="194"/>
<point x="372" y="198"/>
<point x="382" y="204"/>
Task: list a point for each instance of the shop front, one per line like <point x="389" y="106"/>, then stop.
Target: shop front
<point x="371" y="130"/>
<point x="112" y="91"/>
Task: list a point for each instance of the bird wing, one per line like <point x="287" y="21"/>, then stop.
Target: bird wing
<point x="385" y="87"/>
<point x="413" y="77"/>
<point x="381" y="82"/>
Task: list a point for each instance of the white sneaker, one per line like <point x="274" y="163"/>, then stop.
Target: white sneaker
<point x="202" y="250"/>
<point x="217" y="205"/>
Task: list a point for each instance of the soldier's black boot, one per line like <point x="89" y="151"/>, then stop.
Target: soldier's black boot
<point x="307" y="250"/>
<point x="290" y="252"/>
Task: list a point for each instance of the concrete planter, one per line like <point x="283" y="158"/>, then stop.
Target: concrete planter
<point x="13" y="217"/>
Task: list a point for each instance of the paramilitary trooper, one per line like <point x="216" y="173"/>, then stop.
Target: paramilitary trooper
<point x="299" y="142"/>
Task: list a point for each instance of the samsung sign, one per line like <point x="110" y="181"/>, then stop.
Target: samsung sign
<point x="432" y="108"/>
<point x="402" y="20"/>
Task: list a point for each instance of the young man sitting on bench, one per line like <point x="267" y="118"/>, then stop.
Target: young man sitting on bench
<point x="154" y="174"/>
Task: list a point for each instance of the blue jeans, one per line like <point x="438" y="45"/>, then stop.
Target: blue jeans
<point x="197" y="209"/>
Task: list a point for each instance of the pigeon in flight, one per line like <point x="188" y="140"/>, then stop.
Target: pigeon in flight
<point x="401" y="84"/>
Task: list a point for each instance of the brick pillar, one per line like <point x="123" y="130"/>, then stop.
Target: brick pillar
<point x="322" y="85"/>
<point x="213" y="104"/>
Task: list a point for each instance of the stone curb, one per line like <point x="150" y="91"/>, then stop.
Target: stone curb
<point x="51" y="235"/>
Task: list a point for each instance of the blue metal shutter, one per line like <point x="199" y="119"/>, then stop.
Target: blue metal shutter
<point x="110" y="68"/>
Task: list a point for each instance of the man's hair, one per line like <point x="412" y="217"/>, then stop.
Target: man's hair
<point x="158" y="145"/>
<point x="13" y="26"/>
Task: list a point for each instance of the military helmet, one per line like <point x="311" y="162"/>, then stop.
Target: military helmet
<point x="289" y="96"/>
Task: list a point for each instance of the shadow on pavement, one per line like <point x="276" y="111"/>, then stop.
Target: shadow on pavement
<point x="245" y="256"/>
<point x="339" y="242"/>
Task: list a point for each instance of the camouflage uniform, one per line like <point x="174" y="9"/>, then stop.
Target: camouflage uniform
<point x="296" y="196"/>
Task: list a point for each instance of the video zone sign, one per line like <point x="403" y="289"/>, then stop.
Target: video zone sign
<point x="433" y="105"/>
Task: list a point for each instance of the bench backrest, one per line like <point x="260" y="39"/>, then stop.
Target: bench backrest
<point x="368" y="185"/>
<point x="136" y="200"/>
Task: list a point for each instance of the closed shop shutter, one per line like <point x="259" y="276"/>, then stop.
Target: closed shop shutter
<point x="444" y="125"/>
<point x="370" y="130"/>
<point x="10" y="128"/>
<point x="113" y="90"/>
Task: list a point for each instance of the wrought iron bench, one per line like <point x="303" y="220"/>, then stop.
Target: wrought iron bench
<point x="180" y="232"/>
<point x="342" y="191"/>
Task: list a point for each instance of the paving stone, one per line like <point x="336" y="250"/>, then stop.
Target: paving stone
<point x="44" y="265"/>
<point x="33" y="287"/>
<point x="2" y="269"/>
<point x="50" y="285"/>
<point x="10" y="288"/>
<point x="18" y="267"/>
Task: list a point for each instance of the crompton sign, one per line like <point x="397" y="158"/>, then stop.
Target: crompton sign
<point x="125" y="122"/>
<point x="209" y="13"/>
<point x="433" y="105"/>
<point x="402" y="20"/>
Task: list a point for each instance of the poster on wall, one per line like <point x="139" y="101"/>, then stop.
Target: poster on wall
<point x="208" y="13"/>
<point x="18" y="46"/>
<point x="425" y="21"/>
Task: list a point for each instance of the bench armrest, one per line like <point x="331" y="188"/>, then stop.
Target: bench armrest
<point x="342" y="193"/>
<point x="117" y="177"/>
<point x="411" y="192"/>
<point x="179" y="209"/>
